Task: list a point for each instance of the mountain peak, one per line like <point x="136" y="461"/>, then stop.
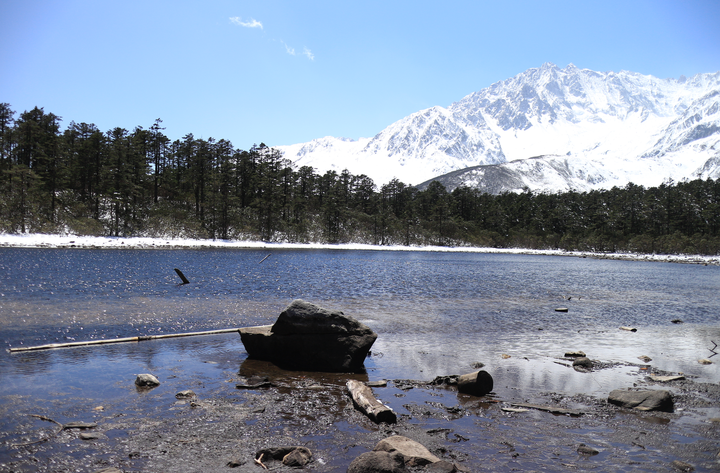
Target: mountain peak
<point x="584" y="130"/>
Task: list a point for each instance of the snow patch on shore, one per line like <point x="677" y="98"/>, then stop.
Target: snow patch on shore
<point x="39" y="240"/>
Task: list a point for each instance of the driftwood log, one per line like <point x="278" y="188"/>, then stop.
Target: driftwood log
<point x="478" y="383"/>
<point x="366" y="403"/>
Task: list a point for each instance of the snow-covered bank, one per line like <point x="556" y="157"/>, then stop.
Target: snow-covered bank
<point x="38" y="240"/>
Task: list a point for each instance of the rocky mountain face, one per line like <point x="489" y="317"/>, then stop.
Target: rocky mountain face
<point x="547" y="130"/>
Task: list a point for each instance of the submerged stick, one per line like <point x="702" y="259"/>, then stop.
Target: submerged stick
<point x="15" y="445"/>
<point x="264" y="258"/>
<point x="139" y="338"/>
<point x="182" y="276"/>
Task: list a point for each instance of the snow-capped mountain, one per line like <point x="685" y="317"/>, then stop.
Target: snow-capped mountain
<point x="546" y="129"/>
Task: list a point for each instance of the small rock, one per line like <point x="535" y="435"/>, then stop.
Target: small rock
<point x="79" y="425"/>
<point x="575" y="354"/>
<point x="504" y="356"/>
<point x="89" y="436"/>
<point x="441" y="467"/>
<point x="377" y="384"/>
<point x="644" y="400"/>
<point x="414" y="454"/>
<point x="279" y="453"/>
<point x="561" y="309"/>
<point x="665" y="379"/>
<point x="451" y="380"/>
<point x="583" y="363"/>
<point x="146" y="380"/>
<point x="645" y="358"/>
<point x="585" y="450"/>
<point x="384" y="462"/>
<point x="111" y="469"/>
<point x="254" y="382"/>
<point x="299" y="457"/>
<point x="682" y="466"/>
<point x="187" y="394"/>
<point x="235" y="463"/>
<point x="629" y="329"/>
<point x="676" y="321"/>
<point x="704" y="361"/>
<point x="99" y="408"/>
<point x="477" y="365"/>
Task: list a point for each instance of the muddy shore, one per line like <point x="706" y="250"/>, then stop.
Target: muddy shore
<point x="154" y="431"/>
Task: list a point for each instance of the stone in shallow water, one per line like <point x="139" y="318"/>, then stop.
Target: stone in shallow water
<point x="414" y="454"/>
<point x="383" y="462"/>
<point x="585" y="450"/>
<point x="583" y="362"/>
<point x="308" y="337"/>
<point x="146" y="380"/>
<point x="644" y="400"/>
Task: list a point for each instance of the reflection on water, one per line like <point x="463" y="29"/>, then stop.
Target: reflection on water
<point x="435" y="314"/>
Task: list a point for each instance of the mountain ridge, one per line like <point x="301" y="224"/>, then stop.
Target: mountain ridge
<point x="584" y="129"/>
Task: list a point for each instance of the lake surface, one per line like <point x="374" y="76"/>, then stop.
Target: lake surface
<point x="468" y="307"/>
<point x="435" y="314"/>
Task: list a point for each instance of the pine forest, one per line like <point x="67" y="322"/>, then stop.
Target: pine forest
<point x="84" y="181"/>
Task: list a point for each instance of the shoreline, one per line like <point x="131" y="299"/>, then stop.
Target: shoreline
<point x="39" y="240"/>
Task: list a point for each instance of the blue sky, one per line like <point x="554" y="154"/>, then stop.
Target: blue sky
<point x="284" y="72"/>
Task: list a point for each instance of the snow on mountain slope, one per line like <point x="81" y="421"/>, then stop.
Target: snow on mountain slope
<point x="547" y="129"/>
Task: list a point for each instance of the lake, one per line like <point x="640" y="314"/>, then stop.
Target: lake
<point x="435" y="314"/>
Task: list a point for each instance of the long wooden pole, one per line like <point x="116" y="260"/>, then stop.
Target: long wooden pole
<point x="139" y="338"/>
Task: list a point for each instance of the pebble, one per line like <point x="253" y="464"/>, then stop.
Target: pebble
<point x="187" y="394"/>
<point x="575" y="354"/>
<point x="682" y="466"/>
<point x="146" y="380"/>
<point x="585" y="450"/>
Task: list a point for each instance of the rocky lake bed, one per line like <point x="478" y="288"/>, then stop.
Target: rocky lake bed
<point x="222" y="425"/>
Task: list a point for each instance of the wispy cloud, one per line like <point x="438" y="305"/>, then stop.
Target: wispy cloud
<point x="253" y="23"/>
<point x="290" y="51"/>
<point x="309" y="54"/>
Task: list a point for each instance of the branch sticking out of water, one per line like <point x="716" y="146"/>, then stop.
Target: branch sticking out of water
<point x="182" y="276"/>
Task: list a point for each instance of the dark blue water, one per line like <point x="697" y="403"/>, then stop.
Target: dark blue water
<point x="434" y="312"/>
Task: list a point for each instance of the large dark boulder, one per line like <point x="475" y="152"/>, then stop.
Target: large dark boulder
<point x="644" y="400"/>
<point x="310" y="338"/>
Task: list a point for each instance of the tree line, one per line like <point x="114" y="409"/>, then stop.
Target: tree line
<point x="84" y="181"/>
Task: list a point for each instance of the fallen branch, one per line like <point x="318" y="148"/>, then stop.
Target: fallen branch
<point x="46" y="438"/>
<point x="713" y="349"/>
<point x="259" y="461"/>
<point x="366" y="403"/>
<point x="139" y="338"/>
<point x="551" y="409"/>
<point x="264" y="258"/>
